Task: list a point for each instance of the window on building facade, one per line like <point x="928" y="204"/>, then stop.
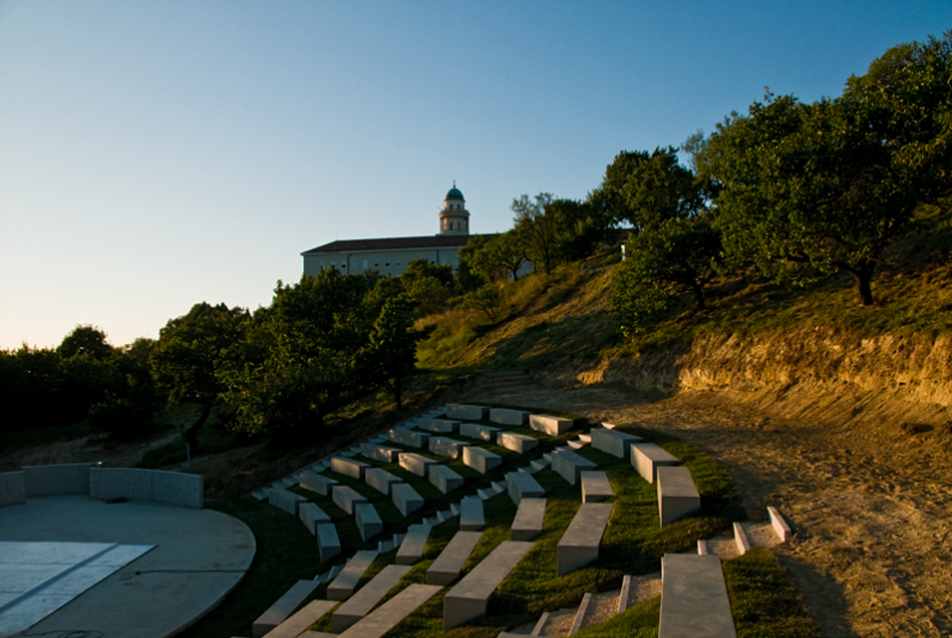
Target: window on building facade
<point x="376" y="263"/>
<point x="365" y="264"/>
<point x="343" y="265"/>
<point x="387" y="264"/>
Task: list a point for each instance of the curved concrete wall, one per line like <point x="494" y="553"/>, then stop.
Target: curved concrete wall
<point x="55" y="480"/>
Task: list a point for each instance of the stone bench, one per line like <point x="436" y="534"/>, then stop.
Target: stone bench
<point x="505" y="416"/>
<point x="476" y="431"/>
<point x="310" y="514"/>
<point x="613" y="442"/>
<point x="346" y="498"/>
<point x="380" y="453"/>
<point x="406" y="499"/>
<point x="596" y="487"/>
<point x="648" y="457"/>
<point x="314" y="482"/>
<point x="521" y="485"/>
<point x="299" y="622"/>
<point x="516" y="442"/>
<point x="380" y="480"/>
<point x="580" y="542"/>
<point x="368" y="520"/>
<point x="380" y="621"/>
<point x="677" y="494"/>
<point x="343" y="586"/>
<point x="444" y="426"/>
<point x="466" y="412"/>
<point x="360" y="604"/>
<point x="471" y="517"/>
<point x="445" y="479"/>
<point x="348" y="467"/>
<point x="570" y="465"/>
<point x="444" y="446"/>
<point x="551" y="425"/>
<point x="480" y="460"/>
<point x="779" y="524"/>
<point x="328" y="542"/>
<point x="410" y="438"/>
<point x="468" y="599"/>
<point x="529" y="519"/>
<point x="285" y="500"/>
<point x="283" y="607"/>
<point x="413" y="545"/>
<point x="694" y="600"/>
<point x="415" y="463"/>
<point x="449" y="563"/>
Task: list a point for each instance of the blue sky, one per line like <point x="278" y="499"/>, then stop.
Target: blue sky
<point x="158" y="154"/>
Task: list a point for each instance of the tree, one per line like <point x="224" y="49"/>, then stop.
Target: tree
<point x="830" y="185"/>
<point x="191" y="351"/>
<point x="391" y="354"/>
<point x="581" y="228"/>
<point x="85" y="339"/>
<point x="486" y="299"/>
<point x="536" y="229"/>
<point x="610" y="196"/>
<point x="494" y="257"/>
<point x="428" y="285"/>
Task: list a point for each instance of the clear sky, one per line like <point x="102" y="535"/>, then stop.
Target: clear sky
<point x="154" y="155"/>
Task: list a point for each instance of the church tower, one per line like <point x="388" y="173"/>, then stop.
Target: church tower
<point x="454" y="218"/>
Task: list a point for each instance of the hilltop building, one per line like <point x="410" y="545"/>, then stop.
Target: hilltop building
<point x="390" y="256"/>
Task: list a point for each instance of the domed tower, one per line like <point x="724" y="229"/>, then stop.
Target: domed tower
<point x="454" y="218"/>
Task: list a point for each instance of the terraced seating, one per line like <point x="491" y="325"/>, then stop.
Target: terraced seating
<point x="445" y="446"/>
<point x="360" y="604"/>
<point x="347" y="498"/>
<point x="648" y="457"/>
<point x="476" y="431"/>
<point x="380" y="480"/>
<point x="694" y="601"/>
<point x="516" y="442"/>
<point x="522" y="485"/>
<point x="529" y="520"/>
<point x="677" y="494"/>
<point x="471" y="517"/>
<point x="285" y="500"/>
<point x="368" y="520"/>
<point x="387" y="616"/>
<point x="613" y="442"/>
<point x="379" y="452"/>
<point x="349" y="467"/>
<point x="468" y="599"/>
<point x="444" y="479"/>
<point x="505" y="416"/>
<point x="570" y="465"/>
<point x="328" y="542"/>
<point x="580" y="542"/>
<point x="447" y="566"/>
<point x="466" y="412"/>
<point x="413" y="545"/>
<point x="480" y="460"/>
<point x="342" y="587"/>
<point x="445" y="426"/>
<point x="406" y="499"/>
<point x="551" y="425"/>
<point x="316" y="483"/>
<point x="283" y="607"/>
<point x="310" y="514"/>
<point x="596" y="487"/>
<point x="300" y="621"/>
<point x="410" y="438"/>
<point x="415" y="463"/>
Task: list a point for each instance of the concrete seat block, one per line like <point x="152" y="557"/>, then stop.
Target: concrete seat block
<point x="12" y="488"/>
<point x="283" y="607"/>
<point x="444" y="479"/>
<point x="445" y="446"/>
<point x="449" y="563"/>
<point x="694" y="600"/>
<point x="316" y="483"/>
<point x="596" y="487"/>
<point x="466" y="412"/>
<point x="342" y="587"/>
<point x="480" y="460"/>
<point x="468" y="599"/>
<point x="310" y="514"/>
<point x="410" y="438"/>
<point x="613" y="442"/>
<point x="476" y="431"/>
<point x="415" y="463"/>
<point x="580" y="542"/>
<point x="413" y="545"/>
<point x="368" y="520"/>
<point x="360" y="604"/>
<point x="443" y="426"/>
<point x="570" y="465"/>
<point x="406" y="499"/>
<point x="380" y="621"/>
<point x="516" y="442"/>
<point x="529" y="519"/>
<point x="380" y="453"/>
<point x="380" y="480"/>
<point x="522" y="485"/>
<point x="505" y="416"/>
<point x="779" y="524"/>
<point x="346" y="498"/>
<point x="349" y="467"/>
<point x="328" y="542"/>
<point x="551" y="425"/>
<point x="648" y="457"/>
<point x="677" y="494"/>
<point x="299" y="622"/>
<point x="471" y="517"/>
<point x="285" y="500"/>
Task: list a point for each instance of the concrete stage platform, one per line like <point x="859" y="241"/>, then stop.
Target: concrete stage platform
<point x="198" y="557"/>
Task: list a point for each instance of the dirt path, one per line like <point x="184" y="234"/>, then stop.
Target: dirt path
<point x="872" y="506"/>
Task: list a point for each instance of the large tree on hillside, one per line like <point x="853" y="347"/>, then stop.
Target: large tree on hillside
<point x="830" y="185"/>
<point x="536" y="229"/>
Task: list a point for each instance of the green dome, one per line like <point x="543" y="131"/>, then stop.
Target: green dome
<point x="454" y="193"/>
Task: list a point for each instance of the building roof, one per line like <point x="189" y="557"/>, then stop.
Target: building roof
<point x="454" y="193"/>
<point x="390" y="243"/>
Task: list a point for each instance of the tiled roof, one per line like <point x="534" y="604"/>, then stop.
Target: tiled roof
<point x="390" y="243"/>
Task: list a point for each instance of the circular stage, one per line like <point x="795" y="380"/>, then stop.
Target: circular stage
<point x="198" y="557"/>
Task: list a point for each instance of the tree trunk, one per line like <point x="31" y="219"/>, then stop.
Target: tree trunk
<point x="191" y="434"/>
<point x="699" y="295"/>
<point x="863" y="276"/>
